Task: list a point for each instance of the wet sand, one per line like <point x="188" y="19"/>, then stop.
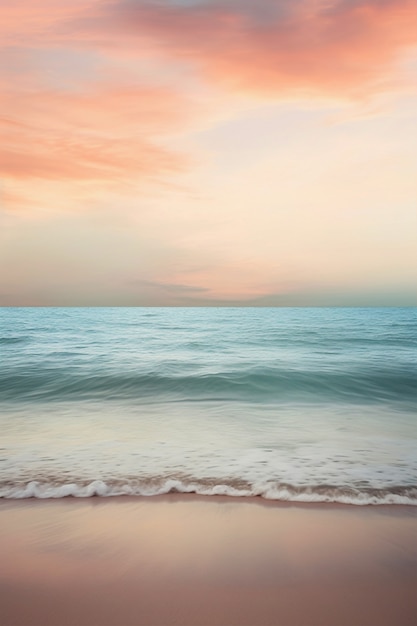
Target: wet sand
<point x="206" y="561"/>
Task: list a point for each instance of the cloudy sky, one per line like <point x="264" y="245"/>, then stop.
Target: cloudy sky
<point x="208" y="152"/>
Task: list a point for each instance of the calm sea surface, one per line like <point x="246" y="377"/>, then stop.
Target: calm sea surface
<point x="287" y="403"/>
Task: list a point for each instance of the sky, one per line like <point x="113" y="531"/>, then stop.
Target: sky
<point x="208" y="153"/>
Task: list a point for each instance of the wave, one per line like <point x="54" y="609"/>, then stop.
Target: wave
<point x="12" y="340"/>
<point x="235" y="488"/>
<point x="396" y="384"/>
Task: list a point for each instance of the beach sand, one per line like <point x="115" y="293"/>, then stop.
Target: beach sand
<point x="213" y="561"/>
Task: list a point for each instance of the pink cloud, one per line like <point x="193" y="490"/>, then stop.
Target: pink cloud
<point x="268" y="46"/>
<point x="105" y="132"/>
<point x="27" y="23"/>
<point x="99" y="126"/>
<point x="107" y="126"/>
<point x="272" y="47"/>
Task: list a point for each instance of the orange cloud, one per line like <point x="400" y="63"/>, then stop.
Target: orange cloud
<point x="107" y="132"/>
<point x="26" y="23"/>
<point x="62" y="149"/>
<point x="269" y="46"/>
<point x="109" y="120"/>
<point x="67" y="116"/>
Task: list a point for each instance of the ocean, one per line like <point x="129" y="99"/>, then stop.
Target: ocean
<point x="292" y="404"/>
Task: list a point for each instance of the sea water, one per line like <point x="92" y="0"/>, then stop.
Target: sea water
<point x="298" y="404"/>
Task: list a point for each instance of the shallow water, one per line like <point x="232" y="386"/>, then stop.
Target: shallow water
<point x="288" y="403"/>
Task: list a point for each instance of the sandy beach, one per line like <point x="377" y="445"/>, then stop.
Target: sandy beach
<point x="212" y="561"/>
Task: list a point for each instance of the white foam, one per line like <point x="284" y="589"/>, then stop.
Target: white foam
<point x="287" y="493"/>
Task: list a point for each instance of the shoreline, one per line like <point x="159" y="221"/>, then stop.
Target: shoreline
<point x="178" y="496"/>
<point x="405" y="495"/>
<point x="191" y="560"/>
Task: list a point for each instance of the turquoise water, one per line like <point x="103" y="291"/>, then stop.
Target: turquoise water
<point x="288" y="403"/>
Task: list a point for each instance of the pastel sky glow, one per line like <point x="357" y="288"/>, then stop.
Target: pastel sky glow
<point x="208" y="152"/>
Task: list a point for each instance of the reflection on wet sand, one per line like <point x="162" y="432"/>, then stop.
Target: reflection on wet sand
<point x="189" y="560"/>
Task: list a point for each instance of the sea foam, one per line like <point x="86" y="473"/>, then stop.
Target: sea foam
<point x="269" y="491"/>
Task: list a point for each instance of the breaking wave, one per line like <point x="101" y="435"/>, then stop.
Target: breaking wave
<point x="212" y="487"/>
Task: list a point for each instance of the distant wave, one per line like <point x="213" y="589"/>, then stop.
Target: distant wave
<point x="12" y="340"/>
<point x="366" y="385"/>
<point x="236" y="488"/>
